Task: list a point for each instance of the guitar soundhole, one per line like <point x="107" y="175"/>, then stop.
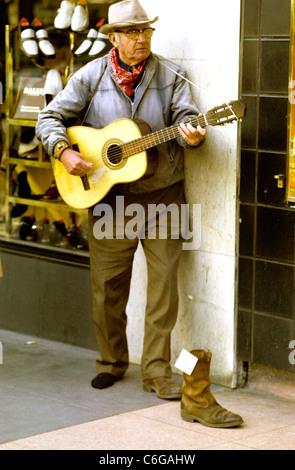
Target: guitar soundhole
<point x="115" y="155"/>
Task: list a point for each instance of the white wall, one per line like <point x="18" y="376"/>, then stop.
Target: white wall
<point x="204" y="38"/>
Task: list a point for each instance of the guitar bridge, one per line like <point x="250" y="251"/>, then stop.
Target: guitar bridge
<point x="84" y="178"/>
<point x="85" y="182"/>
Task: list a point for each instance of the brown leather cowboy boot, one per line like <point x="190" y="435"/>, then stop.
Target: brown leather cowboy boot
<point x="198" y="403"/>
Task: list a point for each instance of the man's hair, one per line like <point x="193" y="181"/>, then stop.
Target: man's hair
<point x="117" y="37"/>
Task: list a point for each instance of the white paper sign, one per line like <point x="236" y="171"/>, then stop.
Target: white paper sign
<point x="186" y="362"/>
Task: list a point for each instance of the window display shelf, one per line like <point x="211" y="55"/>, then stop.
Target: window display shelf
<point x="54" y="204"/>
<point x="38" y="169"/>
<point x="21" y="122"/>
<point x="28" y="169"/>
<point x="31" y="163"/>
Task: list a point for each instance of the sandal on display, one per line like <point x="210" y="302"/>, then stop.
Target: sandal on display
<point x="45" y="46"/>
<point x="64" y="14"/>
<point x="86" y="45"/>
<point x="27" y="39"/>
<point x="80" y="18"/>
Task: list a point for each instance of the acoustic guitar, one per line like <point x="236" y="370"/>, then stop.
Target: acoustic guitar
<point x="121" y="153"/>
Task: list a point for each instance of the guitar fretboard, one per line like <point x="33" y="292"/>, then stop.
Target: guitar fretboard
<point x="226" y="113"/>
<point x="159" y="137"/>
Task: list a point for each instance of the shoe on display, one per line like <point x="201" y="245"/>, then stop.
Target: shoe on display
<point x="86" y="45"/>
<point x="52" y="192"/>
<point x="25" y="227"/>
<point x="99" y="45"/>
<point x="64" y="243"/>
<point x="56" y="232"/>
<point x="80" y="18"/>
<point x="25" y="146"/>
<point x="53" y="85"/>
<point x="38" y="229"/>
<point x="32" y="154"/>
<point x="83" y="236"/>
<point x="27" y="39"/>
<point x="64" y="14"/>
<point x="72" y="234"/>
<point x="45" y="46"/>
<point x="22" y="190"/>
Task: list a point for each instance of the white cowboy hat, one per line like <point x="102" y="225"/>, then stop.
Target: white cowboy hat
<point x="126" y="13"/>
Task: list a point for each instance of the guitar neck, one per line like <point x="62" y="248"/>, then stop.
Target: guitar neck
<point x="220" y="115"/>
<point x="159" y="137"/>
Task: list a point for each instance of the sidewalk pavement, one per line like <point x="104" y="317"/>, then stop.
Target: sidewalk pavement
<point x="47" y="403"/>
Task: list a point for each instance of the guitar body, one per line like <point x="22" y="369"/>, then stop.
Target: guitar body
<point x="101" y="147"/>
<point x="124" y="151"/>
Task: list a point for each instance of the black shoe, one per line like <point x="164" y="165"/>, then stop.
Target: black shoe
<point x="22" y="190"/>
<point x="25" y="227"/>
<point x="103" y="380"/>
<point x="56" y="232"/>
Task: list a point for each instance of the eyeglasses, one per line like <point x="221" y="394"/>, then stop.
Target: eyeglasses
<point x="133" y="34"/>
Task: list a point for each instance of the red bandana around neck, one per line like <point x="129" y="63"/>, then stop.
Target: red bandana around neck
<point x="125" y="79"/>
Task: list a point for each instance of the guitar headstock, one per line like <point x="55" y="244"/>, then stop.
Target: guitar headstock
<point x="226" y="113"/>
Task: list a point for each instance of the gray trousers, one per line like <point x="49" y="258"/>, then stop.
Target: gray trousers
<point x="111" y="261"/>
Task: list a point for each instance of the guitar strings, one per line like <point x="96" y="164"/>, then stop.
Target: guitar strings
<point x="117" y="152"/>
<point x="152" y="139"/>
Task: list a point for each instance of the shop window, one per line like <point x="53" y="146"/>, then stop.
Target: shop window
<point x="291" y="113"/>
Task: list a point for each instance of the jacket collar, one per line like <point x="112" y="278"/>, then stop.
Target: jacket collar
<point x="149" y="72"/>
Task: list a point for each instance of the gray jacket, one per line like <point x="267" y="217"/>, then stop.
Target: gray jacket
<point x="162" y="98"/>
